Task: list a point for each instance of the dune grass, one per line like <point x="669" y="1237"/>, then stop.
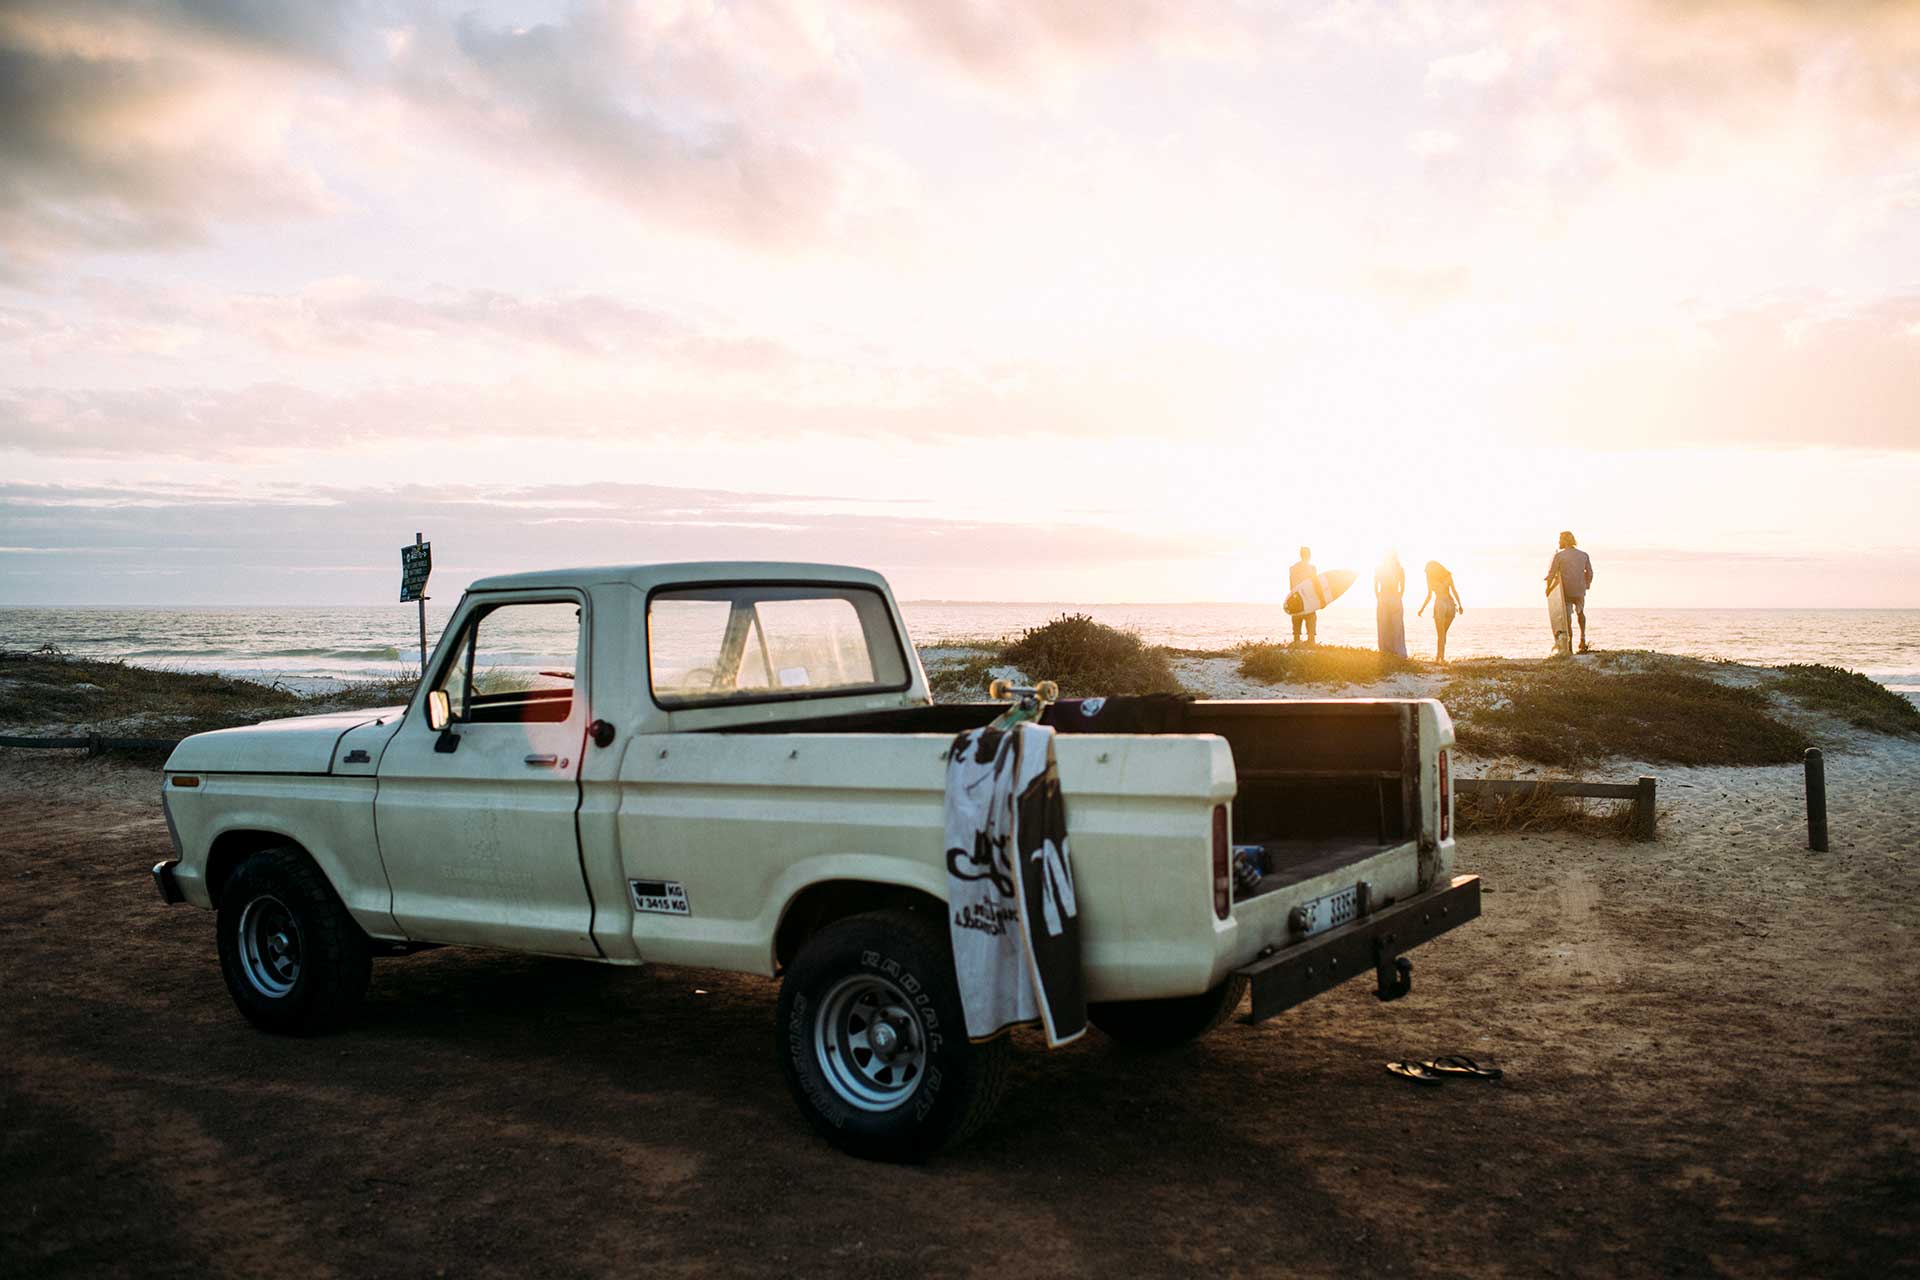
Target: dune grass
<point x="1090" y="659"/>
<point x="963" y="681"/>
<point x="1658" y="709"/>
<point x="1318" y="664"/>
<point x="1541" y="811"/>
<point x="49" y="688"/>
<point x="1857" y="699"/>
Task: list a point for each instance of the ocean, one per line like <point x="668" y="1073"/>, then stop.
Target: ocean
<point x="312" y="646"/>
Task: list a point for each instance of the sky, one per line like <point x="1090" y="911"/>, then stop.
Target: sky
<point x="1115" y="300"/>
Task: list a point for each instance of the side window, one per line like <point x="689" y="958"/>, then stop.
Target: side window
<point x="717" y="644"/>
<point x="514" y="664"/>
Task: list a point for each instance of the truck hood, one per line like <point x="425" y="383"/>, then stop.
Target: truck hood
<point x="302" y="744"/>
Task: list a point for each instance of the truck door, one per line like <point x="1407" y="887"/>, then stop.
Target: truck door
<point x="476" y="822"/>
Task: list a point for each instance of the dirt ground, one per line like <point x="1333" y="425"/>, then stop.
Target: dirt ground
<point x="1709" y="1040"/>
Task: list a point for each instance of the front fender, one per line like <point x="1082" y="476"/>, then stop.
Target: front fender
<point x="330" y="818"/>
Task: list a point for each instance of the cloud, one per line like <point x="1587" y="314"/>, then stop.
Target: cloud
<point x="1433" y="144"/>
<point x="1590" y="90"/>
<point x="716" y="400"/>
<point x="704" y="118"/>
<point x="138" y="126"/>
<point x="1480" y="67"/>
<point x="1795" y="370"/>
<point x="348" y="317"/>
<point x="109" y="149"/>
<point x="344" y="545"/>
<point x="1016" y="43"/>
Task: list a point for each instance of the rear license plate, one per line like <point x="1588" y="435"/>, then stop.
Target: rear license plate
<point x="1327" y="912"/>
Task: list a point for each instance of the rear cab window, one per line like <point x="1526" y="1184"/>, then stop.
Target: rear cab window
<point x="725" y="644"/>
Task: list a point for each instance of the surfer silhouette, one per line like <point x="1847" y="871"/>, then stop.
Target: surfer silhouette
<point x="1446" y="598"/>
<point x="1302" y="571"/>
<point x="1573" y="570"/>
<point x="1389" y="607"/>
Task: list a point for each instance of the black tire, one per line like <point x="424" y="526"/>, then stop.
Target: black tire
<point x="1165" y="1024"/>
<point x="294" y="960"/>
<point x="947" y="1086"/>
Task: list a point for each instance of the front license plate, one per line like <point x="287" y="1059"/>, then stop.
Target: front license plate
<point x="1328" y="912"/>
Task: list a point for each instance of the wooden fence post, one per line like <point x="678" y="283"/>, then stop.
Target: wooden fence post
<point x="1643" y="811"/>
<point x="1816" y="800"/>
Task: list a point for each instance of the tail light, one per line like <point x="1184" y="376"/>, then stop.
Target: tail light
<point x="1446" y="799"/>
<point x="1222" y="865"/>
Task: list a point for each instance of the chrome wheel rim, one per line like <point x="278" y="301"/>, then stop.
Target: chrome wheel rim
<point x="269" y="947"/>
<point x="869" y="1043"/>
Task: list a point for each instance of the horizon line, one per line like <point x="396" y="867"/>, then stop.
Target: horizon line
<point x="1060" y="603"/>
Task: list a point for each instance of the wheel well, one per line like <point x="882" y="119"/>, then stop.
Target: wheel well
<point x="231" y="848"/>
<point x="819" y="905"/>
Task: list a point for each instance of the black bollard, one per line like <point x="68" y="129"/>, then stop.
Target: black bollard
<point x="1816" y="800"/>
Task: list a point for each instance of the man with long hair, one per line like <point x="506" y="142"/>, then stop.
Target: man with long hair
<point x="1572" y="568"/>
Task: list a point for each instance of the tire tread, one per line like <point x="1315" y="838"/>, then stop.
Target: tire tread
<point x="337" y="957"/>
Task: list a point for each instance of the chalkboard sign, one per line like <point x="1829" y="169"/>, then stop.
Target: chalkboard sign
<point x="416" y="562"/>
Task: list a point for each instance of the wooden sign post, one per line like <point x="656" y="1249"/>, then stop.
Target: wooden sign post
<point x="416" y="563"/>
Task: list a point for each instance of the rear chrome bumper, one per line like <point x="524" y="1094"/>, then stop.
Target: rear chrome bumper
<point x="163" y="881"/>
<point x="1376" y="942"/>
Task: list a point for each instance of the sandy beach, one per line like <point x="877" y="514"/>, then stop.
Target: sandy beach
<point x="1706" y="1041"/>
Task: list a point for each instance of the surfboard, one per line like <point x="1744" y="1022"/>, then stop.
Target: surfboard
<point x="1558" y="620"/>
<point x="1319" y="591"/>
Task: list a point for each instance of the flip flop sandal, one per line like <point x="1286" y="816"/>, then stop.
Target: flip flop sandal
<point x="1455" y="1064"/>
<point x="1413" y="1071"/>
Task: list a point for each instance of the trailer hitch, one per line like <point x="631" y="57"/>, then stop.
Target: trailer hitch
<point x="1393" y="973"/>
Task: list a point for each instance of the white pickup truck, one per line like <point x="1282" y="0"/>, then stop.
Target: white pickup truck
<point x="738" y="766"/>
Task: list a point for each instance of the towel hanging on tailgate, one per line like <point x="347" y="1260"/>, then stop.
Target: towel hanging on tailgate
<point x="1013" y="916"/>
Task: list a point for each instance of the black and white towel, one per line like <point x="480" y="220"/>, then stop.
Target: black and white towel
<point x="1012" y="910"/>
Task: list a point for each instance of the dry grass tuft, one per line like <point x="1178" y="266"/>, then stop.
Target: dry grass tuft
<point x="963" y="681"/>
<point x="1541" y="811"/>
<point x="1318" y="664"/>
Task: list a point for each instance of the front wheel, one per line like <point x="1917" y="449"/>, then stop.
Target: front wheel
<point x="294" y="960"/>
<point x="873" y="1040"/>
<point x="1164" y="1024"/>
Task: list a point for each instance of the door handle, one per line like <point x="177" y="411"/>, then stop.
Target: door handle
<point x="543" y="762"/>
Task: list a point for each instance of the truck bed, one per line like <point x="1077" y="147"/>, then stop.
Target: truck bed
<point x="1317" y="780"/>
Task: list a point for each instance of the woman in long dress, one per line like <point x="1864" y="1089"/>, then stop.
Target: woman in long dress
<point x="1389" y="608"/>
<point x="1446" y="603"/>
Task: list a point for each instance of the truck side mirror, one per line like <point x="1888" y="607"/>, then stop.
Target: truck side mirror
<point x="439" y="711"/>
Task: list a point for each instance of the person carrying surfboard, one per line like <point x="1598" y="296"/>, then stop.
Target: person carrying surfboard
<point x="1573" y="570"/>
<point x="1302" y="571"/>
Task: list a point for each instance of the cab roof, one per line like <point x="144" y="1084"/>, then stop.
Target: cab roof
<point x="646" y="577"/>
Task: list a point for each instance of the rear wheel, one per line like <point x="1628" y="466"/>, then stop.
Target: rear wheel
<point x="1163" y="1024"/>
<point x="294" y="960"/>
<point x="873" y="1040"/>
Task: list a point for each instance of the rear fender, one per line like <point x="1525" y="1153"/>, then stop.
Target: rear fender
<point x="817" y="891"/>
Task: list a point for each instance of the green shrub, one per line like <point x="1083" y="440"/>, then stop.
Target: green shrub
<point x="1090" y="659"/>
